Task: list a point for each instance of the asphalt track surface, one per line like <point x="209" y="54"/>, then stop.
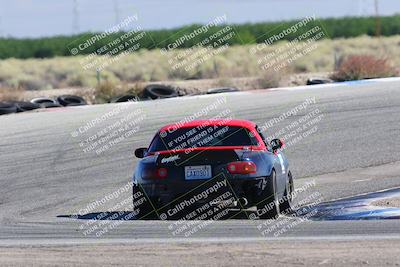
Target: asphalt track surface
<point x="45" y="176"/>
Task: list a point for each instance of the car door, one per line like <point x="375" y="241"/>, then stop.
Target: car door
<point x="279" y="162"/>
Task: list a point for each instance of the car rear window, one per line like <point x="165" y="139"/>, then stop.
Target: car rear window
<point x="207" y="136"/>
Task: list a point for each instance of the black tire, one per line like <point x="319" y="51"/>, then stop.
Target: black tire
<point x="25" y="106"/>
<point x="222" y="90"/>
<point x="144" y="210"/>
<point x="71" y="100"/>
<point x="313" y="81"/>
<point x="124" y="98"/>
<point x="155" y="91"/>
<point x="43" y="100"/>
<point x="7" y="108"/>
<point x="268" y="207"/>
<point x="286" y="206"/>
<point x="50" y="105"/>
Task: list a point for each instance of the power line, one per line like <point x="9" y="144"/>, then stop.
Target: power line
<point x="1" y="29"/>
<point x="116" y="11"/>
<point x="360" y="8"/>
<point x="377" y="19"/>
<point x="75" y="22"/>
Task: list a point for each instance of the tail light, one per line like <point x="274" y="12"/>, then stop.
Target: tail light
<point x="156" y="173"/>
<point x="162" y="173"/>
<point x="242" y="167"/>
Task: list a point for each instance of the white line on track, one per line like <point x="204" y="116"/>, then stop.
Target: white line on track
<point x="108" y="241"/>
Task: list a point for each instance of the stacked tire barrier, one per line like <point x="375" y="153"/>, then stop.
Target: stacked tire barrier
<point x="9" y="107"/>
<point x="124" y="98"/>
<point x="159" y="91"/>
<point x="222" y="90"/>
<point x="152" y="91"/>
<point x="71" y="100"/>
<point x="313" y="81"/>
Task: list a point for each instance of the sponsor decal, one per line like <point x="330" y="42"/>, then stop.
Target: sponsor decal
<point x="169" y="159"/>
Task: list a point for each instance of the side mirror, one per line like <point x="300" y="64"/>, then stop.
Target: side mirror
<point x="276" y="144"/>
<point x="139" y="153"/>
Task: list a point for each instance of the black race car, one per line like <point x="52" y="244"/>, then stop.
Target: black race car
<point x="193" y="167"/>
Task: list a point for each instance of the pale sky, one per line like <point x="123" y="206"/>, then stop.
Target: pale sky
<point x="36" y="18"/>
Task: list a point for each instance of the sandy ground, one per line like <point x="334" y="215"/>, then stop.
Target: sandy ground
<point x="390" y="202"/>
<point x="268" y="253"/>
<point x="186" y="86"/>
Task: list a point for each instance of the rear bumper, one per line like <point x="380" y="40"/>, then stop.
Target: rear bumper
<point x="206" y="191"/>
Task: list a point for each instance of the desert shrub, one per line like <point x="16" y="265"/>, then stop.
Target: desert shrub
<point x="11" y="94"/>
<point x="107" y="90"/>
<point x="300" y="67"/>
<point x="33" y="84"/>
<point x="225" y="82"/>
<point x="358" y="67"/>
<point x="269" y="79"/>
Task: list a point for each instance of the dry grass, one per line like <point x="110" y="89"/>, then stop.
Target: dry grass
<point x="270" y="79"/>
<point x="152" y="66"/>
<point x="105" y="91"/>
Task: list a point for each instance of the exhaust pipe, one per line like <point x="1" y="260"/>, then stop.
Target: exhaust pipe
<point x="243" y="201"/>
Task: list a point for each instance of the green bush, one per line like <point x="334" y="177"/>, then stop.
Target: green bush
<point x="246" y="34"/>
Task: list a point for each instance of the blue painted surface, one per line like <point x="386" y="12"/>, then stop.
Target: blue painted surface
<point x="357" y="82"/>
<point x="357" y="208"/>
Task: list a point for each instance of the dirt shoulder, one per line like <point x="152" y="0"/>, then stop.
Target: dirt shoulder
<point x="389" y="202"/>
<point x="271" y="253"/>
<point x="188" y="87"/>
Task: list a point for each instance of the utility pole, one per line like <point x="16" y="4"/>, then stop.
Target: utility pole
<point x="1" y="29"/>
<point x="378" y="29"/>
<point x="116" y="11"/>
<point x="360" y="8"/>
<point x="75" y="22"/>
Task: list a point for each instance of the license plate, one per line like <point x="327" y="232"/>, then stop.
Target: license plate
<point x="197" y="172"/>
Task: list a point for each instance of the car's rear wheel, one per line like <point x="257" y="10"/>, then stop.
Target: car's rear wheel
<point x="268" y="207"/>
<point x="286" y="206"/>
<point x="143" y="209"/>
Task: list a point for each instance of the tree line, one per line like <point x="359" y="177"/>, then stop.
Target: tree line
<point x="249" y="33"/>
